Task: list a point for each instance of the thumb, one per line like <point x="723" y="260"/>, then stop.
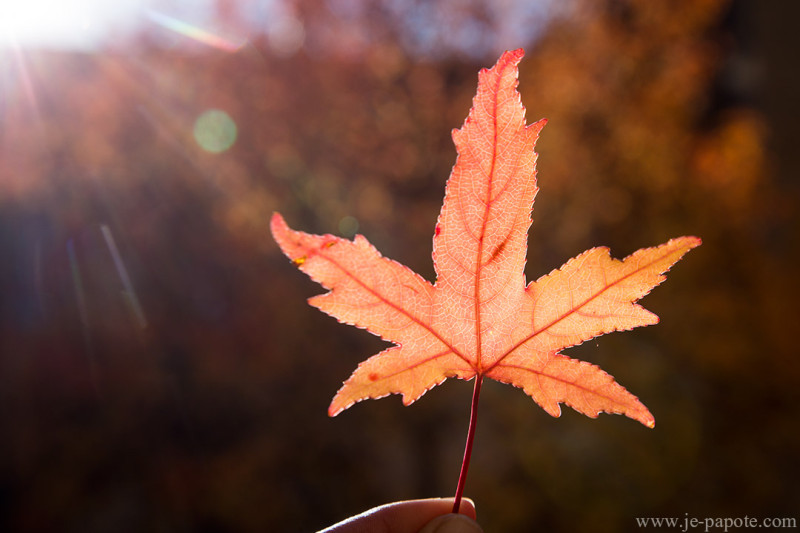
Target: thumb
<point x="452" y="523"/>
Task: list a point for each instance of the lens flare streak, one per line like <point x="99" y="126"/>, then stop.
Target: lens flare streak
<point x="133" y="300"/>
<point x="83" y="312"/>
<point x="193" y="32"/>
<point x="77" y="282"/>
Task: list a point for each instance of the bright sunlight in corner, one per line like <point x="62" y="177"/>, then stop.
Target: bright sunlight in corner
<point x="57" y="24"/>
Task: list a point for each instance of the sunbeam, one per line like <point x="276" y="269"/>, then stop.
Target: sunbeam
<point x="26" y="85"/>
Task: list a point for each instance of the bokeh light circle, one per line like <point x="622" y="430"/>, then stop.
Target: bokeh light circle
<point x="215" y="131"/>
<point x="348" y="226"/>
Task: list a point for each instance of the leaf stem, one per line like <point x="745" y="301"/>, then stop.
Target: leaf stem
<point x="473" y="421"/>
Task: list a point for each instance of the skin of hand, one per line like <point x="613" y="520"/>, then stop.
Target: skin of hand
<point x="413" y="516"/>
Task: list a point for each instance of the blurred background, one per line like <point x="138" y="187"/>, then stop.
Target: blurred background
<point x="160" y="369"/>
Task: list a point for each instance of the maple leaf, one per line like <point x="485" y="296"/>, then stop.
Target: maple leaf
<point x="480" y="319"/>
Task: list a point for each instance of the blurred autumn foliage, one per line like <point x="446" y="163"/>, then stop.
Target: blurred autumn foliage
<point x="160" y="371"/>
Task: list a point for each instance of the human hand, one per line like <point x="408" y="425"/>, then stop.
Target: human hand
<point x="413" y="516"/>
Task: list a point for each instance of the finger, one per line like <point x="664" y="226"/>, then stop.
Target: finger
<point x="452" y="523"/>
<point x="401" y="517"/>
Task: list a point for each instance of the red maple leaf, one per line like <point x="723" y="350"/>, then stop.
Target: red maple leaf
<point x="480" y="319"/>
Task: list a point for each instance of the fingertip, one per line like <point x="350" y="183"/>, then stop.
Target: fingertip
<point x="467" y="507"/>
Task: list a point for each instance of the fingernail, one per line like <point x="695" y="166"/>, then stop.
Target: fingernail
<point x="452" y="523"/>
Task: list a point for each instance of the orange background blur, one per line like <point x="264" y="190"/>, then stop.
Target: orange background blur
<point x="161" y="371"/>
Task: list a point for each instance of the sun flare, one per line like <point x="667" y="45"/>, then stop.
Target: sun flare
<point x="51" y="23"/>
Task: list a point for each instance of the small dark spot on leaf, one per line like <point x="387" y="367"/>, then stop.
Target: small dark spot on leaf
<point x="498" y="250"/>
